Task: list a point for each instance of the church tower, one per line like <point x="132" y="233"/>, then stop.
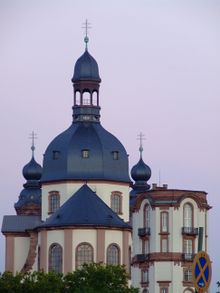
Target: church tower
<point x="85" y="182"/>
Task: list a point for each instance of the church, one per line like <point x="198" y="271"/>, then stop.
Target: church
<point x="81" y="206"/>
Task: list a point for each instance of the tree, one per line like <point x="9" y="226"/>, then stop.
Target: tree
<point x="92" y="278"/>
<point x="98" y="278"/>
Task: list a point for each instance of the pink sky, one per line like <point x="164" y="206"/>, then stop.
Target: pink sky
<point x="160" y="67"/>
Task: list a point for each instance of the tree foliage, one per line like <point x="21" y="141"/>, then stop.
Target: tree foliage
<point x="92" y="278"/>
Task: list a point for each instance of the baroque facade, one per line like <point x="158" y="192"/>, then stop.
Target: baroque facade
<point x="81" y="205"/>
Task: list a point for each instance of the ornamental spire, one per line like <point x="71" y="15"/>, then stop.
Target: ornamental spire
<point x="33" y="136"/>
<point x="86" y="26"/>
<point x="141" y="138"/>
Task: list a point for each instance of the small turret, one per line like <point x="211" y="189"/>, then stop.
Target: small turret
<point x="29" y="202"/>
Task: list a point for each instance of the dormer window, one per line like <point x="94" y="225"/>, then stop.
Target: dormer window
<point x="56" y="155"/>
<point x="85" y="154"/>
<point x="115" y="155"/>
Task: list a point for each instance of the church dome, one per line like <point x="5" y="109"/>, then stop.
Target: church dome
<point x="32" y="171"/>
<point x="141" y="171"/>
<point x="85" y="151"/>
<point x="86" y="68"/>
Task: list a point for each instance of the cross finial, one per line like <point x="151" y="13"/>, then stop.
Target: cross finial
<point x="33" y="136"/>
<point x="141" y="138"/>
<point x="86" y="26"/>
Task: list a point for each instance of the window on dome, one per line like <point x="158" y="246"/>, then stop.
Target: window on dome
<point x="113" y="255"/>
<point x="77" y="98"/>
<point x="85" y="154"/>
<point x="116" y="202"/>
<point x="95" y="98"/>
<point x="84" y="254"/>
<point x="53" y="201"/>
<point x="115" y="155"/>
<point x="56" y="155"/>
<point x="86" y="98"/>
<point x="55" y="258"/>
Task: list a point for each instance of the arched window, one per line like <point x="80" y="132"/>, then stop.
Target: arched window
<point x="55" y="258"/>
<point x="77" y="98"/>
<point x="95" y="98"/>
<point x="188" y="215"/>
<point x="84" y="254"/>
<point x="86" y="98"/>
<point x="116" y="202"/>
<point x="113" y="255"/>
<point x="146" y="216"/>
<point x="53" y="201"/>
<point x="145" y="291"/>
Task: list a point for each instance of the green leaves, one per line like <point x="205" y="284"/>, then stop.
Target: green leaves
<point x="92" y="278"/>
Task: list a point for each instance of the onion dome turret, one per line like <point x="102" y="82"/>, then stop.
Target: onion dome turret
<point x="29" y="202"/>
<point x="140" y="173"/>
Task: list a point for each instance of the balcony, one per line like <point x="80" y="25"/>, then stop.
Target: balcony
<point x="188" y="256"/>
<point x="144" y="231"/>
<point x="142" y="257"/>
<point x="189" y="231"/>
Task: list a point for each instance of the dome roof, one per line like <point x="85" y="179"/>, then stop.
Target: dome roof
<point x="141" y="171"/>
<point x="86" y="68"/>
<point x="32" y="171"/>
<point x="85" y="151"/>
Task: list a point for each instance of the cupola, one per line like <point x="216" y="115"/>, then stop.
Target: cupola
<point x="29" y="202"/>
<point x="141" y="173"/>
<point x="86" y="82"/>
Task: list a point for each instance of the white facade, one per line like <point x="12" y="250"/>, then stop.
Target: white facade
<point x="171" y="236"/>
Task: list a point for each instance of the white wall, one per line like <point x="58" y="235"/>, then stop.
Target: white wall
<point x="21" y="248"/>
<point x="103" y="190"/>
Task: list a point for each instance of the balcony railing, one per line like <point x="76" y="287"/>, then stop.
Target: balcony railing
<point x="142" y="257"/>
<point x="143" y="231"/>
<point x="188" y="256"/>
<point x="189" y="231"/>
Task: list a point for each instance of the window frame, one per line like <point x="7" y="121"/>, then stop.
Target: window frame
<point x="53" y="205"/>
<point x="146" y="216"/>
<point x="85" y="153"/>
<point x="79" y="263"/>
<point x="166" y="220"/>
<point x="187" y="220"/>
<point x="108" y="261"/>
<point x="117" y="208"/>
<point x="51" y="267"/>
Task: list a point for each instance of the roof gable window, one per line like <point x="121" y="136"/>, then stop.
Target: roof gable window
<point x="115" y="155"/>
<point x="85" y="154"/>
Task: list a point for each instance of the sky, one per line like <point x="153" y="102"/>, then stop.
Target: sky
<point x="160" y="67"/>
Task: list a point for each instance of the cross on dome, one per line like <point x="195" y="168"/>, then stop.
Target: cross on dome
<point x="141" y="138"/>
<point x="33" y="136"/>
<point x="86" y="26"/>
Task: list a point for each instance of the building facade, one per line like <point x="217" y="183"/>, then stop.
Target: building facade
<point x="169" y="227"/>
<point x="82" y="207"/>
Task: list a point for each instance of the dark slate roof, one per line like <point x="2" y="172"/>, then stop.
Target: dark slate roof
<point x="86" y="68"/>
<point x="15" y="223"/>
<point x="69" y="164"/>
<point x="84" y="208"/>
